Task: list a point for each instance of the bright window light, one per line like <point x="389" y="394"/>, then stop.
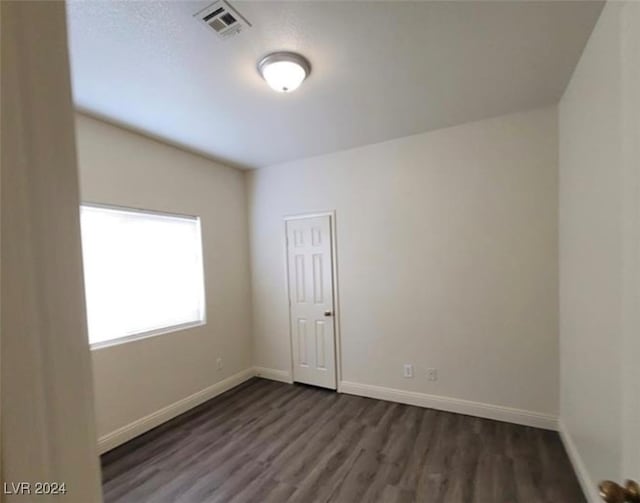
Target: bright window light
<point x="143" y="272"/>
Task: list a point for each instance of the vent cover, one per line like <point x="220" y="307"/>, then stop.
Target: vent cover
<point x="223" y="19"/>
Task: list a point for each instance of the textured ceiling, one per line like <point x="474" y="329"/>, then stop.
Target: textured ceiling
<point x="381" y="70"/>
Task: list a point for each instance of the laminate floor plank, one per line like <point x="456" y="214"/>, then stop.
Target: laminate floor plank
<point x="269" y="442"/>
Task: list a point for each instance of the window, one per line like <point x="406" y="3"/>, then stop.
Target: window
<point x="142" y="270"/>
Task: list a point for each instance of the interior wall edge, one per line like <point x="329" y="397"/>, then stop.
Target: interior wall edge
<point x="586" y="482"/>
<point x="47" y="400"/>
<point x="79" y="110"/>
<point x="146" y="423"/>
<point x="455" y="405"/>
<point x="448" y="404"/>
<point x="274" y="374"/>
<point x="246" y="187"/>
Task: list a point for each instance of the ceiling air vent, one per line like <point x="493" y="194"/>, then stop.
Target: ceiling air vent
<point x="223" y="19"/>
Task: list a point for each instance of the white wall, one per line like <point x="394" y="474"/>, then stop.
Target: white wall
<point x="597" y="188"/>
<point x="136" y="379"/>
<point x="48" y="429"/>
<point x="447" y="258"/>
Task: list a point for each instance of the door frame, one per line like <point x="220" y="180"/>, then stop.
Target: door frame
<point x="336" y="298"/>
<point x="630" y="343"/>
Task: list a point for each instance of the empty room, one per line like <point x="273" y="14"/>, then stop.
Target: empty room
<point x="320" y="251"/>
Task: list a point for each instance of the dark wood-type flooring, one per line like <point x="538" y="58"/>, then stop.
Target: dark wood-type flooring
<point x="268" y="442"/>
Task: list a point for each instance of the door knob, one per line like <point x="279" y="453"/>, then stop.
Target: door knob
<point x="328" y="313"/>
<point x="614" y="493"/>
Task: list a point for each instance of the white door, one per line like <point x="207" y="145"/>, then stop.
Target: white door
<point x="310" y="268"/>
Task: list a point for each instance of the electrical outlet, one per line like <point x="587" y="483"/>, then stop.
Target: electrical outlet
<point x="432" y="374"/>
<point x="219" y="363"/>
<point x="408" y="370"/>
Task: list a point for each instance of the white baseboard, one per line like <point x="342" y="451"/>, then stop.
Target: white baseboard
<point x="588" y="485"/>
<point x="478" y="409"/>
<point x="273" y="374"/>
<point x="131" y="430"/>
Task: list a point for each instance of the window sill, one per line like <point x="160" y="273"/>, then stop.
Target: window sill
<point x="146" y="335"/>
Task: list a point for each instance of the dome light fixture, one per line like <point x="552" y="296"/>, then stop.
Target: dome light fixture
<point x="284" y="71"/>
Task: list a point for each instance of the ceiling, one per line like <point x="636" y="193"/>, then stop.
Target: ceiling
<point x="381" y="70"/>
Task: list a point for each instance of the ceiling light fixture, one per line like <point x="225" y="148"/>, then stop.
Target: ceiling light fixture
<point x="284" y="71"/>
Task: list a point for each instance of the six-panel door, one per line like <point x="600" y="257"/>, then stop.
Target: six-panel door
<point x="310" y="275"/>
